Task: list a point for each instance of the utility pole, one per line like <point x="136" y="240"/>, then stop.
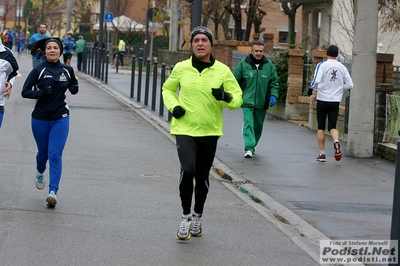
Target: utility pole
<point x="197" y="11"/>
<point x="100" y="42"/>
<point x="173" y="36"/>
<point x="360" y="138"/>
<point x="69" y="10"/>
<point x="15" y="15"/>
<point x="146" y="35"/>
<point x="19" y="15"/>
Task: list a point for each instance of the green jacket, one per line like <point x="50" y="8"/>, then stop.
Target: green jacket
<point x="203" y="115"/>
<point x="80" y="44"/>
<point x="258" y="84"/>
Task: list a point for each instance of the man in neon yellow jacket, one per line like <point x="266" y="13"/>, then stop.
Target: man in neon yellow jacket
<point x="205" y="86"/>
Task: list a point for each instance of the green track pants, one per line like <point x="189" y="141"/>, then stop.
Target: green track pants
<point x="253" y="120"/>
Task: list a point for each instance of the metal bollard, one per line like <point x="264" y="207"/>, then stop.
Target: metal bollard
<point x="394" y="232"/>
<point x="154" y="92"/>
<point x="133" y="76"/>
<point x="94" y="51"/>
<point x="83" y="66"/>
<point x="106" y="72"/>
<point x="116" y="62"/>
<point x="103" y="59"/>
<point x="347" y="114"/>
<point x="88" y="57"/>
<point x="139" y="79"/>
<point x="146" y="88"/>
<point x="161" y="111"/>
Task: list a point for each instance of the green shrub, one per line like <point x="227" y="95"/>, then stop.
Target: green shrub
<point x="280" y="60"/>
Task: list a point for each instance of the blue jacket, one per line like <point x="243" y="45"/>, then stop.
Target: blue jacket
<point x="69" y="45"/>
<point x="10" y="35"/>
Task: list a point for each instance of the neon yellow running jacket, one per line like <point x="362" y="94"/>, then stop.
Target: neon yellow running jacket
<point x="203" y="115"/>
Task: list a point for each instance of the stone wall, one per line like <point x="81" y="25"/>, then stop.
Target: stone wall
<point x="222" y="50"/>
<point x="171" y="58"/>
<point x="384" y="69"/>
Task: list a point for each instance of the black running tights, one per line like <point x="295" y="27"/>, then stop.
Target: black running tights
<point x="196" y="155"/>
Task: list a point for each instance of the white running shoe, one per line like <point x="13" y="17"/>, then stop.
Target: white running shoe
<point x="39" y="181"/>
<point x="183" y="232"/>
<point x="248" y="154"/>
<point x="51" y="199"/>
<point x="195" y="228"/>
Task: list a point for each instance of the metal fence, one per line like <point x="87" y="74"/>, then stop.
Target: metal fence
<point x="147" y="77"/>
<point x="396" y="75"/>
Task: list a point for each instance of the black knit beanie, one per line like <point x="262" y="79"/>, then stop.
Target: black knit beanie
<point x="201" y="30"/>
<point x="333" y="50"/>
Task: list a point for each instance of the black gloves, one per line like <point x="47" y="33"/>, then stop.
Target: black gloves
<point x="46" y="91"/>
<point x="73" y="89"/>
<point x="178" y="111"/>
<point x="309" y="91"/>
<point x="221" y="95"/>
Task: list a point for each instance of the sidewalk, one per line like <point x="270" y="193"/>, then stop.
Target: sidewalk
<point x="118" y="198"/>
<point x="350" y="199"/>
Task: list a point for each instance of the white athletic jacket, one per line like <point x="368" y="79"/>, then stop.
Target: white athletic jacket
<point x="331" y="77"/>
<point x="8" y="70"/>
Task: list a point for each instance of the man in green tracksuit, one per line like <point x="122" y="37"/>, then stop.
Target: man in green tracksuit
<point x="259" y="81"/>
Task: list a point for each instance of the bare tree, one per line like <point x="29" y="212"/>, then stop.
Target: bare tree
<point x="215" y="11"/>
<point x="35" y="8"/>
<point x="81" y="14"/>
<point x="234" y="8"/>
<point x="251" y="13"/>
<point x="290" y="10"/>
<point x="258" y="20"/>
<point x="7" y="7"/>
<point x="390" y="15"/>
<point x="127" y="29"/>
<point x="343" y="21"/>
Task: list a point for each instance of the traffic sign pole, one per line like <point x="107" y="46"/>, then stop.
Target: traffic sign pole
<point x="108" y="17"/>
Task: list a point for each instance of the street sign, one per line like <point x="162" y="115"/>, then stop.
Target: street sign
<point x="108" y="17"/>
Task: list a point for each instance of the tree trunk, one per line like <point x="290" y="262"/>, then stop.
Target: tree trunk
<point x="291" y="32"/>
<point x="251" y="11"/>
<point x="238" y="20"/>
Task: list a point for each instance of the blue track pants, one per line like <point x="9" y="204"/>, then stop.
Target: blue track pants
<point x="50" y="137"/>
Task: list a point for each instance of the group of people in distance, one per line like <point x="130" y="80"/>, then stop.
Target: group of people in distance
<point x="195" y="93"/>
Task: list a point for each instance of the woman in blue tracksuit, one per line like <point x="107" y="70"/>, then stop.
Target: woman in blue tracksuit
<point x="48" y="83"/>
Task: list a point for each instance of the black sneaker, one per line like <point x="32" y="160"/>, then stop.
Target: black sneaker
<point x="321" y="158"/>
